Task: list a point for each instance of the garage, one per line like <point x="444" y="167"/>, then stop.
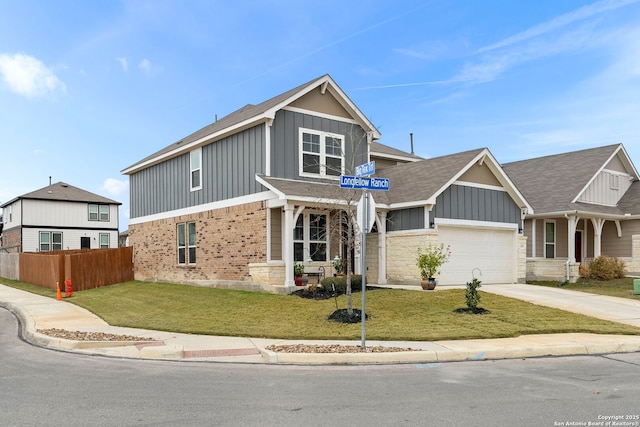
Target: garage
<point x="492" y="250"/>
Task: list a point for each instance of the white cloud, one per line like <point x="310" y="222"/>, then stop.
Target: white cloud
<point x="26" y="75"/>
<point x="124" y="63"/>
<point x="559" y="22"/>
<point x="115" y="186"/>
<point x="145" y="65"/>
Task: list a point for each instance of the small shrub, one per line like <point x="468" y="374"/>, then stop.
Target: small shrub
<point x="341" y="283"/>
<point x="605" y="268"/>
<point x="471" y="295"/>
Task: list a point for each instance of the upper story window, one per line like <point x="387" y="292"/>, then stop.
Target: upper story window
<point x="196" y="169"/>
<point x="321" y="153"/>
<point x="99" y="213"/>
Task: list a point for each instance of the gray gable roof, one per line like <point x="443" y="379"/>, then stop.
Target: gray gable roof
<point x="422" y="180"/>
<point x="61" y="191"/>
<point x="550" y="183"/>
<point x="384" y="151"/>
<point x="253" y="114"/>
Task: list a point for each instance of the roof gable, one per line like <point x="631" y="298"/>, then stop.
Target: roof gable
<point x="555" y="183"/>
<point x="251" y="115"/>
<point x="423" y="181"/>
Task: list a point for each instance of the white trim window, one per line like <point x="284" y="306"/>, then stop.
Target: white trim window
<point x="321" y="153"/>
<point x="549" y="239"/>
<point x="104" y="240"/>
<point x="98" y="212"/>
<point x="196" y="169"/>
<point x="310" y="237"/>
<point x="50" y="241"/>
<point x="186" y="243"/>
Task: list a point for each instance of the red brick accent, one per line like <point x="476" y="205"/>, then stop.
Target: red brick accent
<point x="227" y="240"/>
<point x="12" y="239"/>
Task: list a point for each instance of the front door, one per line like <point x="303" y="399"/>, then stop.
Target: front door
<point x="85" y="243"/>
<point x="579" y="246"/>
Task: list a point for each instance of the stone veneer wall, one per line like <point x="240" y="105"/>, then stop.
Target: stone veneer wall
<point x="227" y="241"/>
<point x="402" y="250"/>
<point x="522" y="259"/>
<point x="551" y="269"/>
<point x="632" y="265"/>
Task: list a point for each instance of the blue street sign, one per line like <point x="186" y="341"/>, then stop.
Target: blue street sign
<point x="364" y="183"/>
<point x="366" y="169"/>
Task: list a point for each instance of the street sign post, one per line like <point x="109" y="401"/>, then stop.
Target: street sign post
<point x="362" y="181"/>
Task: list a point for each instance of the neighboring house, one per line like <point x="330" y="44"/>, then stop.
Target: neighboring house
<point x="585" y="204"/>
<point x="58" y="217"/>
<point x="243" y="199"/>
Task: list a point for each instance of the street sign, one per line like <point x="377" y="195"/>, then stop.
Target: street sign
<point x="364" y="183"/>
<point x="366" y="169"/>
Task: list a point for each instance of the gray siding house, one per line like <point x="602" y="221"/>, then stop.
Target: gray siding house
<point x="240" y="201"/>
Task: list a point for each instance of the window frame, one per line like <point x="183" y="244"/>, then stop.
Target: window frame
<point x="53" y="246"/>
<point x="307" y="241"/>
<point x="101" y="212"/>
<point x="100" y="237"/>
<point x="323" y="154"/>
<point x="552" y="243"/>
<point x="188" y="245"/>
<point x="195" y="168"/>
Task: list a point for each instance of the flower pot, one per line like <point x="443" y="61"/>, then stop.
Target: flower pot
<point x="298" y="280"/>
<point x="428" y="284"/>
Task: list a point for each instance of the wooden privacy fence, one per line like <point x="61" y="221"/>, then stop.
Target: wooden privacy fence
<point x="87" y="269"/>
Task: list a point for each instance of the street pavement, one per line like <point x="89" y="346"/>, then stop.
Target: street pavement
<point x="36" y="312"/>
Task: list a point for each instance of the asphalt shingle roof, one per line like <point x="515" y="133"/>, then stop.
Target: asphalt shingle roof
<point x="65" y="192"/>
<point x="550" y="183"/>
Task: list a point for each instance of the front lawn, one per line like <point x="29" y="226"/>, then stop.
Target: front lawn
<point x="394" y="314"/>
<point x="622" y="288"/>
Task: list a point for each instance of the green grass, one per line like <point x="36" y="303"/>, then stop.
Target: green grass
<point x="394" y="314"/>
<point x="622" y="288"/>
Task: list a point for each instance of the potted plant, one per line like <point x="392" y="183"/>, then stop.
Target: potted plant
<point x="429" y="262"/>
<point x="298" y="271"/>
<point x="338" y="265"/>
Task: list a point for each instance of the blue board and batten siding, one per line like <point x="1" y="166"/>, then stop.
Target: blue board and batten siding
<point x="285" y="147"/>
<point x="228" y="170"/>
<point x="460" y="202"/>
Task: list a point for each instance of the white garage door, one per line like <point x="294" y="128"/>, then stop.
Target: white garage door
<point x="493" y="251"/>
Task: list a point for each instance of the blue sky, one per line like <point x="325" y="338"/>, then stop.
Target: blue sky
<point x="88" y="88"/>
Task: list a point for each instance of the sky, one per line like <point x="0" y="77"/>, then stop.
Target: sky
<point x="88" y="88"/>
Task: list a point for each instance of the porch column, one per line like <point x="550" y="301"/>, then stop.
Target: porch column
<point x="534" y="238"/>
<point x="572" y="226"/>
<point x="288" y="245"/>
<point x="382" y="247"/>
<point x="597" y="223"/>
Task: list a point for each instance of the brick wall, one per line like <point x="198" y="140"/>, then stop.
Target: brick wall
<point x="227" y="241"/>
<point x="12" y="239"/>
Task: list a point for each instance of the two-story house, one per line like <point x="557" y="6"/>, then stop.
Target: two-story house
<point x="59" y="216"/>
<point x="243" y="199"/>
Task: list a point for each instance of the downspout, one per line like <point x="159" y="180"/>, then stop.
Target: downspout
<point x="567" y="269"/>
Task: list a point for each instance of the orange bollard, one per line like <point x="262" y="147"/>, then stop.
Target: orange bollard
<point x="68" y="289"/>
<point x="59" y="295"/>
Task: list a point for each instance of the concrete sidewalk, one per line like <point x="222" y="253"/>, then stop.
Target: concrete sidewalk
<point x="38" y="313"/>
